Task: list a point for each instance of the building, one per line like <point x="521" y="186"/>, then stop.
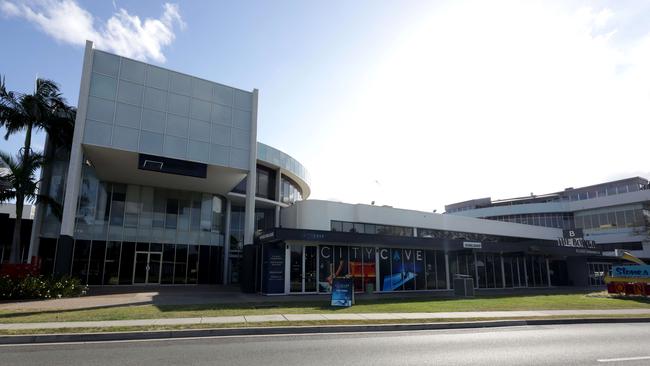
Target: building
<point x="166" y="183"/>
<point x="615" y="215"/>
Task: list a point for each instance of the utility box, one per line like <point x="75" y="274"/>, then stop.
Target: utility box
<point x="463" y="285"/>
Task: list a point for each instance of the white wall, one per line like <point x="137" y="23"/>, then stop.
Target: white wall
<point x="317" y="214"/>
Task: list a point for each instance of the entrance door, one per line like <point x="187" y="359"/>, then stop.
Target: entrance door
<point x="302" y="268"/>
<point x="146" y="268"/>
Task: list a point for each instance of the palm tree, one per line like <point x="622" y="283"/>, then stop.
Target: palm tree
<point x="44" y="109"/>
<point x="18" y="182"/>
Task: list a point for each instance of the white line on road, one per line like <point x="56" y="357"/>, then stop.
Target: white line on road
<point x="623" y="359"/>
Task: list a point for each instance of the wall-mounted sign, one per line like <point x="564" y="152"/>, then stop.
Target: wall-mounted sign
<point x="472" y="244"/>
<point x="631" y="271"/>
<point x="574" y="238"/>
<point x="342" y="292"/>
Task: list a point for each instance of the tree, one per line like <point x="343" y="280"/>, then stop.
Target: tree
<point x="18" y="182"/>
<point x="44" y="109"/>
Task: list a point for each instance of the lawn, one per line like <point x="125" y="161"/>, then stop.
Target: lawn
<point x="483" y="303"/>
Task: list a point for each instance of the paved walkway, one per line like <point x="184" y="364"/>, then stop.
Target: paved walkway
<point x="316" y="317"/>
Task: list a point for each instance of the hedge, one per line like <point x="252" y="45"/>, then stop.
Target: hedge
<point x="39" y="287"/>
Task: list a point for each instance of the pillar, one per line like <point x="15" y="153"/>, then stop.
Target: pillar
<point x="73" y="180"/>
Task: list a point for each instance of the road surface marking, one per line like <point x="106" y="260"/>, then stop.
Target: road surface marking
<point x="623" y="359"/>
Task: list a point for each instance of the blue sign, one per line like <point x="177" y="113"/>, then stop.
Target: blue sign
<point x="273" y="269"/>
<point x="342" y="292"/>
<point x="631" y="271"/>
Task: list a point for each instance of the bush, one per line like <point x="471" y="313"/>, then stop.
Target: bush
<point x="39" y="287"/>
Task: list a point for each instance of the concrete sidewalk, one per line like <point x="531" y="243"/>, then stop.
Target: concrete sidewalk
<point x="279" y="318"/>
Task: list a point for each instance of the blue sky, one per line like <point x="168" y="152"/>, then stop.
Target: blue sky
<point x="410" y="104"/>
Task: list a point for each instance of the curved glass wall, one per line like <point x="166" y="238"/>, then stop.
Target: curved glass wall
<point x="284" y="161"/>
<point x="289" y="191"/>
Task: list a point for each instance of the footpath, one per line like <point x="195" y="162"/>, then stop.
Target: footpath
<point x="278" y="319"/>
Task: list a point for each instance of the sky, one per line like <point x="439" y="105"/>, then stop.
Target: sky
<point x="411" y="104"/>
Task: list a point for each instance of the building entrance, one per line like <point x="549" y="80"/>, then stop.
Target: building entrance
<point x="302" y="268"/>
<point x="147" y="268"/>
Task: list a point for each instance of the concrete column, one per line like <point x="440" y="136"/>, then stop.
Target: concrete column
<point x="226" y="243"/>
<point x="503" y="271"/>
<point x="63" y="260"/>
<point x="76" y="154"/>
<point x="447" y="271"/>
<point x="278" y="194"/>
<point x="249" y="210"/>
<point x="476" y="270"/>
<point x="548" y="273"/>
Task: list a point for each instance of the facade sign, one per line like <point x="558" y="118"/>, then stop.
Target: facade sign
<point x="273" y="263"/>
<point x="472" y="244"/>
<point x="574" y="238"/>
<point x="342" y="292"/>
<point x="631" y="271"/>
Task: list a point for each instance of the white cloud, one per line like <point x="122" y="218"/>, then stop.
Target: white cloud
<point x="123" y="33"/>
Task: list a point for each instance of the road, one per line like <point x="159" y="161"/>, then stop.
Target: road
<point x="595" y="344"/>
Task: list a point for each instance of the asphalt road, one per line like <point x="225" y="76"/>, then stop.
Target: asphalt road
<point x="603" y="344"/>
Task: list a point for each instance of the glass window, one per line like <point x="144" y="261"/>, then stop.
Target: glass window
<point x="117" y="205"/>
<point x="348" y="227"/>
<point x="358" y="228"/>
<point x="80" y="260"/>
<point x="184" y="214"/>
<point x="112" y="263"/>
<point x="193" y="264"/>
<point x="96" y="265"/>
<point x="217" y="214"/>
<point x="370" y="229"/>
<point x="195" y="223"/>
<point x="132" y="207"/>
<point x="180" y="271"/>
<point x="336" y="226"/>
<point x="172" y="213"/>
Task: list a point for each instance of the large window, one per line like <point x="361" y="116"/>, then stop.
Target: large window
<point x="361" y="228"/>
<point x="605" y="219"/>
<point x="557" y="220"/>
<point x="121" y="212"/>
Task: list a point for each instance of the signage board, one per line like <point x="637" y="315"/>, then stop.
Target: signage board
<point x="472" y="244"/>
<point x="273" y="269"/>
<point x="638" y="271"/>
<point x="342" y="292"/>
<point x="574" y="238"/>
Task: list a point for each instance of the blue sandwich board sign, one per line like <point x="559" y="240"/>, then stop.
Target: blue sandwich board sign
<point x="342" y="292"/>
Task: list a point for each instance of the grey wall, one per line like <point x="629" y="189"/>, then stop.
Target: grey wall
<point x="143" y="108"/>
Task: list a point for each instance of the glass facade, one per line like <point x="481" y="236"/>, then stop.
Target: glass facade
<point x="264" y="186"/>
<point x="557" y="220"/>
<point x="120" y="212"/>
<point x="361" y="228"/>
<point x="289" y="191"/>
<point x="612" y="218"/>
<point x="597" y="272"/>
<point x="399" y="269"/>
<point x="99" y="262"/>
<point x="127" y="234"/>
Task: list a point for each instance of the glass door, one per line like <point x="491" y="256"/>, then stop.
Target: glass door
<point x="303" y="265"/>
<point x="140" y="267"/>
<point x="295" y="268"/>
<point x="147" y="267"/>
<point x="310" y="269"/>
<point x="154" y="268"/>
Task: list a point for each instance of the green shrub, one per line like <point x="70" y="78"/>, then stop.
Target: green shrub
<point x="39" y="287"/>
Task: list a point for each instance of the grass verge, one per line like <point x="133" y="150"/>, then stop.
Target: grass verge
<point x="389" y="305"/>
